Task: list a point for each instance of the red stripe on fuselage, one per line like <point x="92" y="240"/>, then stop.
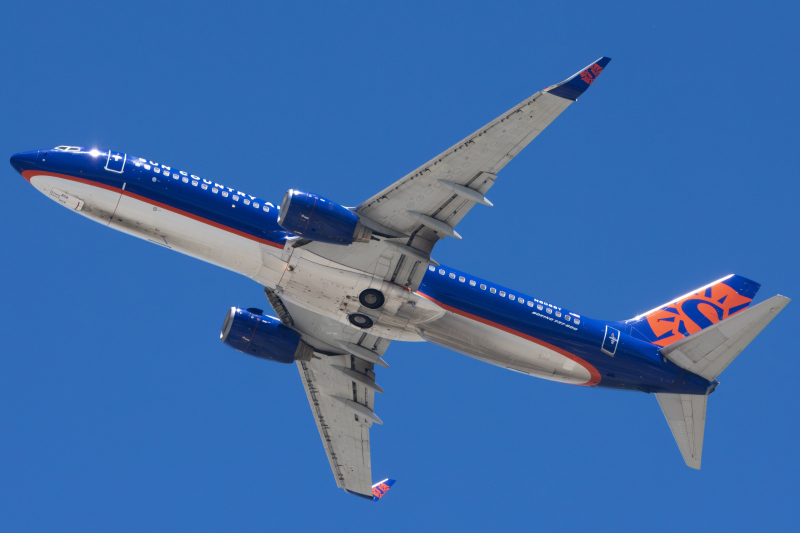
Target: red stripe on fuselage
<point x="595" y="375"/>
<point x="27" y="174"/>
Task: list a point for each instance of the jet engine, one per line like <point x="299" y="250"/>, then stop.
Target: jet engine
<point x="318" y="219"/>
<point x="251" y="332"/>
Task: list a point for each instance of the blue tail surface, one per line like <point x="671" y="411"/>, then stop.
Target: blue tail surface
<point x="695" y="311"/>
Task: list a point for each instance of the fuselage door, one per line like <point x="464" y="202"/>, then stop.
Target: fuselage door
<point x="116" y="162"/>
<point x="610" y="341"/>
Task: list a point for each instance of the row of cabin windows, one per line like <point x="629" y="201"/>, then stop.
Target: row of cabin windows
<point x="215" y="190"/>
<point x="511" y="297"/>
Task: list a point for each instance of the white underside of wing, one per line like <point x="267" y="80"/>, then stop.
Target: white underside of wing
<point x="341" y="392"/>
<point x="472" y="163"/>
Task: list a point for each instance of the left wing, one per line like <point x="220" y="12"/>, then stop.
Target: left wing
<point x="409" y="217"/>
<point x="427" y="203"/>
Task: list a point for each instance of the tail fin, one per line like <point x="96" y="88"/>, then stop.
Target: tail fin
<point x="695" y="311"/>
<point x="380" y="488"/>
<point x="707" y="353"/>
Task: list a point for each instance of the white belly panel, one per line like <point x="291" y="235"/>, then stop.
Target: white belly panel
<point x="97" y="204"/>
<point x="186" y="235"/>
<point x="501" y="348"/>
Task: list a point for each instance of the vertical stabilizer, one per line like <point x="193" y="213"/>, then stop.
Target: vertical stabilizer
<point x="686" y="416"/>
<point x="695" y="311"/>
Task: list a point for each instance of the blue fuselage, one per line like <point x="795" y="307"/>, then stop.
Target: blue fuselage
<point x="606" y="350"/>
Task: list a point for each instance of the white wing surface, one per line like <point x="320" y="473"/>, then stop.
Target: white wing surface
<point x="341" y="392"/>
<point x="409" y="217"/>
<point x="428" y="203"/>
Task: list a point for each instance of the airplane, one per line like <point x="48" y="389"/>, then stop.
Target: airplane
<point x="346" y="282"/>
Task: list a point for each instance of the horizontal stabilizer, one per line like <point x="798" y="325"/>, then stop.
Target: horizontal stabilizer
<point x="686" y="416"/>
<point x="709" y="351"/>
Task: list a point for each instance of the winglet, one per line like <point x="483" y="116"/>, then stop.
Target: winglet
<point x="575" y="86"/>
<point x="380" y="488"/>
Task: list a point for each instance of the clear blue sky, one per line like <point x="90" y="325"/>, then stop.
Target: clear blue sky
<point x="120" y="410"/>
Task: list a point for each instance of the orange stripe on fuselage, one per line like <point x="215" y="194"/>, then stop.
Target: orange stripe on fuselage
<point x="595" y="375"/>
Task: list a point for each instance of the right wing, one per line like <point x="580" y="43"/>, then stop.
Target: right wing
<point x="341" y="391"/>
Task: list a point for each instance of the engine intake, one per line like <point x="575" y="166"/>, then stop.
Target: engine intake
<point x="263" y="337"/>
<point x="318" y="219"/>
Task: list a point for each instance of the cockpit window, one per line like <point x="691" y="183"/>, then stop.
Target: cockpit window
<point x="68" y="148"/>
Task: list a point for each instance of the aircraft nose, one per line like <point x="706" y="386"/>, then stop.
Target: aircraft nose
<point x="24" y="160"/>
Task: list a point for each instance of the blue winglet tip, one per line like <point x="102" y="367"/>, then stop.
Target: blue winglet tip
<point x="576" y="85"/>
<point x="380" y="488"/>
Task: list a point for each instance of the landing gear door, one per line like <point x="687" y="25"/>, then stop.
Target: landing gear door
<point x="610" y="341"/>
<point x="116" y="162"/>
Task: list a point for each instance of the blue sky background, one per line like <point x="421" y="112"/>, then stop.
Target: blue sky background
<point x="120" y="410"/>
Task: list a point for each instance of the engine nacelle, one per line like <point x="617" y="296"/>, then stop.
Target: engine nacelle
<point x="262" y="336"/>
<point x="318" y="219"/>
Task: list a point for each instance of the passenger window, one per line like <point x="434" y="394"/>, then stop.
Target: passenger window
<point x="157" y="170"/>
<point x="432" y="268"/>
<point x="539" y="307"/>
<point x="256" y="205"/>
<point x="502" y="293"/>
<point x="461" y="279"/>
<point x="548" y="311"/>
<point x="452" y="276"/>
<point x="577" y="321"/>
<point x="472" y="283"/>
<point x="234" y="196"/>
<point x="530" y="303"/>
<point x="185" y="180"/>
<point x="224" y="193"/>
<point x="246" y="202"/>
<point x="493" y="290"/>
<point x="214" y="190"/>
<point x="166" y="174"/>
<point x="266" y="208"/>
<point x="521" y="300"/>
<point x="483" y="287"/>
<point x="441" y="271"/>
<point x="147" y="167"/>
<point x="194" y="184"/>
<point x="558" y="313"/>
<point x="511" y="297"/>
<point x="566" y="317"/>
<point x="204" y="186"/>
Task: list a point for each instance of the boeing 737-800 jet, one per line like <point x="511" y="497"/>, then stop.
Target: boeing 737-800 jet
<point x="346" y="282"/>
